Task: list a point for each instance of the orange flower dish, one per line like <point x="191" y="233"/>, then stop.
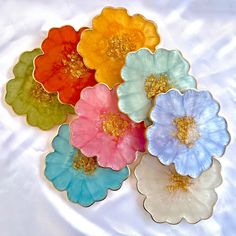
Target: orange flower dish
<point x="60" y="68"/>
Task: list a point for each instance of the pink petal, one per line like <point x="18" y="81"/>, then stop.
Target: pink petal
<point x="118" y="162"/>
<point x="135" y="138"/>
<point x="84" y="109"/>
<point x="111" y="158"/>
<point x="99" y="97"/>
<point x="94" y="145"/>
<point x="82" y="131"/>
<point x="127" y="152"/>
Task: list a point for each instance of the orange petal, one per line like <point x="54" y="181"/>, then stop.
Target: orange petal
<point x="92" y="48"/>
<point x="109" y="73"/>
<point x="109" y="17"/>
<point x="59" y="36"/>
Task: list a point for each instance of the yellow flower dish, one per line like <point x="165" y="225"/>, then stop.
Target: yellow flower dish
<point x="114" y="33"/>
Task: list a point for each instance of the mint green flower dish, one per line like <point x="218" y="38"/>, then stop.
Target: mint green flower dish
<point x="148" y="74"/>
<point x="69" y="170"/>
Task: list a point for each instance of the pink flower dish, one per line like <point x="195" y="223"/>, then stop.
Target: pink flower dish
<point x="101" y="130"/>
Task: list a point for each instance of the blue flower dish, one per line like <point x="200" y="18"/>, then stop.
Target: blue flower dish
<point x="187" y="131"/>
<point x="85" y="184"/>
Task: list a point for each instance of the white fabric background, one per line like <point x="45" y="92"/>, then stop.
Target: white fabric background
<point x="204" y="31"/>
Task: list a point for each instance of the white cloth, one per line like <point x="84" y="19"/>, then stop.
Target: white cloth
<point x="204" y="31"/>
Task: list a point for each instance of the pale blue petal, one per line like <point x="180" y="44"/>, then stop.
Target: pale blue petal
<point x="168" y="151"/>
<point x="157" y="137"/>
<point x="216" y="130"/>
<point x="203" y="156"/>
<point x="159" y="132"/>
<point x="200" y="105"/>
<point x="214" y="148"/>
<point x="191" y="101"/>
<point x="220" y="137"/>
<point x="176" y="100"/>
<point x="212" y="129"/>
<point x="171" y="103"/>
<point x="215" y="124"/>
<point x="186" y="163"/>
<point x="161" y="117"/>
<point x="163" y="102"/>
<point x="210" y="110"/>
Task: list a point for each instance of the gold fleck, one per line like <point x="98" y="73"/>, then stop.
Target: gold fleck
<point x="87" y="164"/>
<point x="113" y="124"/>
<point x="156" y="84"/>
<point x="120" y="45"/>
<point x="178" y="182"/>
<point x="187" y="132"/>
<point x="74" y="65"/>
<point x="40" y="94"/>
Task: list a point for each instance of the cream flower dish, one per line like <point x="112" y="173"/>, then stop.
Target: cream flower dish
<point x="171" y="197"/>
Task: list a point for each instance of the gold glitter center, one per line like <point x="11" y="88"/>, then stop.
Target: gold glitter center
<point x="156" y="84"/>
<point x="178" y="182"/>
<point x="40" y="94"/>
<point x="113" y="124"/>
<point x="187" y="132"/>
<point x="87" y="164"/>
<point x="74" y="65"/>
<point x="120" y="45"/>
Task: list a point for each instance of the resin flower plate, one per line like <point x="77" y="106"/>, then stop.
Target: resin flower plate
<point x="127" y="96"/>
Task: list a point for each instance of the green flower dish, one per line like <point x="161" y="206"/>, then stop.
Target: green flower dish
<point x="28" y="97"/>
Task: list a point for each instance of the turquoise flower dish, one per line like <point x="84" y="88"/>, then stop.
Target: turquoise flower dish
<point x="85" y="182"/>
<point x="148" y="74"/>
<point x="187" y="131"/>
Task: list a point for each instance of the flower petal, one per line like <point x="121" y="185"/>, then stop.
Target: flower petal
<point x="98" y="96"/>
<point x="110" y="178"/>
<point x="62" y="145"/>
<point x="185" y="82"/>
<point x="54" y="170"/>
<point x="82" y="131"/>
<point x="157" y="137"/>
<point x="62" y="181"/>
<point x="170" y="103"/>
<point x="186" y="163"/>
<point x="209" y="179"/>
